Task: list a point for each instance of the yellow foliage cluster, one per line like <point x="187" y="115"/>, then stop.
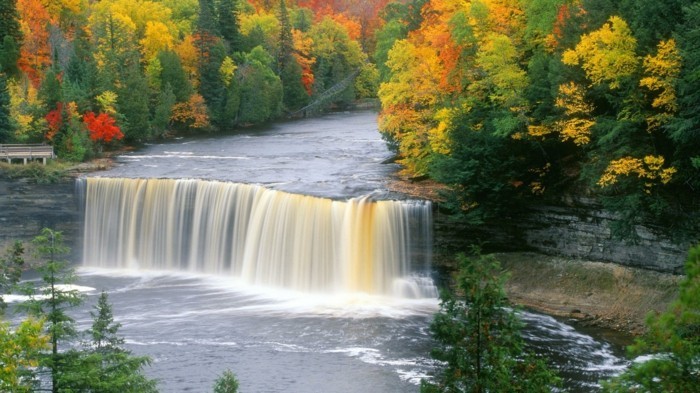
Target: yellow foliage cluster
<point x="662" y="72"/>
<point x="19" y="349"/>
<point x="607" y="54"/>
<point x="577" y="122"/>
<point x="650" y="169"/>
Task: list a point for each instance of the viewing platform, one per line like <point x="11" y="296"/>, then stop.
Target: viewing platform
<point x="26" y="152"/>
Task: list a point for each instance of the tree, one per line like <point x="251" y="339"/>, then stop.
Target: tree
<point x="606" y="55"/>
<point x="10" y="271"/>
<point x="479" y="339"/>
<point x="672" y="340"/>
<point x="132" y="101"/>
<point x="229" y="26"/>
<point x="102" y="127"/>
<point x="103" y="365"/>
<point x="226" y="383"/>
<point x="55" y="298"/>
<point x="6" y="126"/>
<point x="20" y="351"/>
<point x="10" y="37"/>
<point x="261" y="89"/>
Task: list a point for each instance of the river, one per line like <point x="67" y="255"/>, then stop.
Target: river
<point x="280" y="334"/>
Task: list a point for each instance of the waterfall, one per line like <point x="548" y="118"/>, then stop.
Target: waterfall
<point x="265" y="237"/>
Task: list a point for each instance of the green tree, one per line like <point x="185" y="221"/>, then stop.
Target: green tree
<point x="103" y="365"/>
<point x="10" y="37"/>
<point x="132" y="102"/>
<point x="54" y="300"/>
<point x="173" y="73"/>
<point x="6" y="126"/>
<point x="261" y="89"/>
<point x="229" y="26"/>
<point x="672" y="340"/>
<point x="163" y="110"/>
<point x="226" y="383"/>
<point x="293" y="93"/>
<point x="20" y="351"/>
<point x="479" y="337"/>
<point x="11" y="266"/>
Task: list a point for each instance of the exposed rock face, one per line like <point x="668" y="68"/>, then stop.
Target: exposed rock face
<point x="580" y="231"/>
<point x="27" y="208"/>
<point x="584" y="232"/>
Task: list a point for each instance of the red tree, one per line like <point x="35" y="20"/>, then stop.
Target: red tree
<point x="102" y="127"/>
<point x="55" y="120"/>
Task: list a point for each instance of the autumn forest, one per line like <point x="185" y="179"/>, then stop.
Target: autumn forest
<point x="507" y="101"/>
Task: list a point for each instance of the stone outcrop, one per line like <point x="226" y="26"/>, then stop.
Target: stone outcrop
<point x="579" y="230"/>
<point x="26" y="208"/>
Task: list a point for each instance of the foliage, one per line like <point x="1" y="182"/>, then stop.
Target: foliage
<point x="102" y="127"/>
<point x="6" y="127"/>
<point x="10" y="271"/>
<point x="54" y="300"/>
<point x="35" y="172"/>
<point x="103" y="365"/>
<point x="20" y="351"/>
<point x="191" y="115"/>
<point x="479" y="340"/>
<point x="671" y="345"/>
<point x="226" y="383"/>
<point x="506" y="101"/>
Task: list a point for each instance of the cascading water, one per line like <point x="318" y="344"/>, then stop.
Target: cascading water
<point x="265" y="237"/>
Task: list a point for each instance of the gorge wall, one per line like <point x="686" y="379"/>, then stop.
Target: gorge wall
<point x="26" y="208"/>
<point x="577" y="229"/>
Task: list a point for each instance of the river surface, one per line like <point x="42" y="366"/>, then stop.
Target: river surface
<point x="195" y="326"/>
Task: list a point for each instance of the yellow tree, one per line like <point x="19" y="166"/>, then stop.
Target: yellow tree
<point x="408" y="101"/>
<point x="662" y="71"/>
<point x="606" y="55"/>
<point x="157" y="37"/>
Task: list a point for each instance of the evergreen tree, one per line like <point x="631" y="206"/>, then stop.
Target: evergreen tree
<point x="163" y="110"/>
<point x="132" y="101"/>
<point x="479" y="338"/>
<point x="10" y="37"/>
<point x="10" y="271"/>
<point x="103" y="365"/>
<point x="673" y="340"/>
<point x="6" y="126"/>
<point x="229" y="25"/>
<point x="175" y="75"/>
<point x="54" y="300"/>
<point x="226" y="383"/>
<point x="289" y="71"/>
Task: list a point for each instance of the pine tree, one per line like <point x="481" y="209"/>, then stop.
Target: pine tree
<point x="226" y="383"/>
<point x="479" y="337"/>
<point x="54" y="300"/>
<point x="10" y="270"/>
<point x="6" y="126"/>
<point x="294" y="94"/>
<point x="104" y="365"/>
<point x="10" y="37"/>
<point x="229" y="24"/>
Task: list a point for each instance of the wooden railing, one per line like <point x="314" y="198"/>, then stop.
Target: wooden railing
<point x="26" y="152"/>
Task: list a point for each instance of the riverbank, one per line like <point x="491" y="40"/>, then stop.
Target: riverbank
<point x="594" y="294"/>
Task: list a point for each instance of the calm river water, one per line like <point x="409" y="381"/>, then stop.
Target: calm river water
<point x="195" y="326"/>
